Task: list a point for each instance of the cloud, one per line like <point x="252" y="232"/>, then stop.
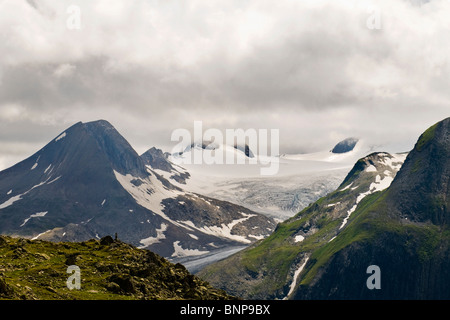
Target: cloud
<point x="311" y="68"/>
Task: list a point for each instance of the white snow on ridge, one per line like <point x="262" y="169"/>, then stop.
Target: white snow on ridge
<point x="40" y="234"/>
<point x="152" y="240"/>
<point x="256" y="237"/>
<point x="379" y="184"/>
<point x="224" y="231"/>
<point x="180" y="252"/>
<point x="332" y="204"/>
<point x="61" y="136"/>
<point x="349" y="212"/>
<point x="39" y="214"/>
<point x="18" y="197"/>
<point x="34" y="166"/>
<point x="396" y="161"/>
<point x="295" y="278"/>
<point x="57" y="178"/>
<point x="48" y="168"/>
<point x="10" y="201"/>
<point x="347" y="187"/>
<point x="149" y="194"/>
<point x="193" y="236"/>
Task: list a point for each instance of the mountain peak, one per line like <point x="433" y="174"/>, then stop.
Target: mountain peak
<point x="425" y="175"/>
<point x="376" y="161"/>
<point x="345" y="145"/>
<point x="121" y="154"/>
<point x="156" y="159"/>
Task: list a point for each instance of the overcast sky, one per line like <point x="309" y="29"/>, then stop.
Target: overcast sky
<point x="319" y="71"/>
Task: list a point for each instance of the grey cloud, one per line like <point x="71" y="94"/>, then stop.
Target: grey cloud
<point x="316" y="71"/>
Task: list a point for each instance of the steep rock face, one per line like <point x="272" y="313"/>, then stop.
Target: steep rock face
<point x="403" y="230"/>
<point x="155" y="158"/>
<point x="413" y="265"/>
<point x="425" y="176"/>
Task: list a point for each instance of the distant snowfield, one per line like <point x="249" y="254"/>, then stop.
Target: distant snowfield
<point x="301" y="179"/>
<point x="152" y="240"/>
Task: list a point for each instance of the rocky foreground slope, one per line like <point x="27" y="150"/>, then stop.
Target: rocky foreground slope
<point x="109" y="270"/>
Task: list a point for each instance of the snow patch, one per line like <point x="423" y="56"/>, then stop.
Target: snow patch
<point x="152" y="240"/>
<point x="34" y="166"/>
<point x="395" y="162"/>
<point x="9" y="192"/>
<point x="260" y="237"/>
<point x="54" y="180"/>
<point x="332" y="204"/>
<point x="180" y="252"/>
<point x="40" y="234"/>
<point x="61" y="136"/>
<point x="35" y="215"/>
<point x="223" y="231"/>
<point x="371" y="168"/>
<point x="48" y="168"/>
<point x="347" y="187"/>
<point x="299" y="238"/>
<point x="149" y="194"/>
<point x="11" y="200"/>
<point x="295" y="278"/>
<point x="378" y="185"/>
<point x="193" y="236"/>
<point x="103" y="202"/>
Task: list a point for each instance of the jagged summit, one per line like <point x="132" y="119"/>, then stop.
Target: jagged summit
<point x="374" y="162"/>
<point x="156" y="159"/>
